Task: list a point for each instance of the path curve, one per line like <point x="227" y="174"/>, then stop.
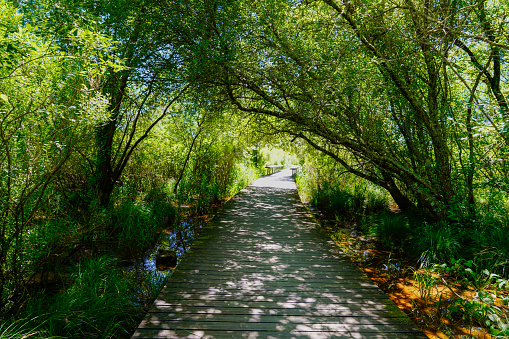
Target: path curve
<point x="263" y="268"/>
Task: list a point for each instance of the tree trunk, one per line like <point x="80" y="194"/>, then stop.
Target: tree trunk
<point x="404" y="204"/>
<point x="104" y="137"/>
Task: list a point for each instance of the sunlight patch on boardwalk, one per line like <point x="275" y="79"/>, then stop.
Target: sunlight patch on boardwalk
<point x="280" y="179"/>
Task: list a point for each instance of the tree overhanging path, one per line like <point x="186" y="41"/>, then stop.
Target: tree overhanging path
<point x="264" y="269"/>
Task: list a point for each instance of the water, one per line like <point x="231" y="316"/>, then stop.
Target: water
<point x="179" y="240"/>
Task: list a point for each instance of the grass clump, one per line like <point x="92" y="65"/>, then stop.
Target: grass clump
<point x="390" y="228"/>
<point x="135" y="224"/>
<point x="100" y="302"/>
<point x="347" y="197"/>
<point x="434" y="243"/>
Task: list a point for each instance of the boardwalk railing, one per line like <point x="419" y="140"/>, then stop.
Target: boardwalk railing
<point x="294" y="169"/>
<point x="273" y="169"/>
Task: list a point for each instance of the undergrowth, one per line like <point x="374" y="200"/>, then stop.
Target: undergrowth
<point x="458" y="269"/>
<point x="101" y="301"/>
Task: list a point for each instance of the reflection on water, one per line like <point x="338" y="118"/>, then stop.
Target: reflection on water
<point x="179" y="240"/>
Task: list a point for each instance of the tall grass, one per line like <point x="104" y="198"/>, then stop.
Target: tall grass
<point x="137" y="223"/>
<point x="390" y="228"/>
<point x="242" y="175"/>
<point x="435" y="243"/>
<point x="100" y="302"/>
<point x="345" y="195"/>
<point x="214" y="184"/>
<point x="22" y="329"/>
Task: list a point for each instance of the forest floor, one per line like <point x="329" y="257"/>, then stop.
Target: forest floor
<point x="394" y="274"/>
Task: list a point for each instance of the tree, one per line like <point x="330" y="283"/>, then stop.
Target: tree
<point x="371" y="85"/>
<point x="146" y="86"/>
<point x="47" y="111"/>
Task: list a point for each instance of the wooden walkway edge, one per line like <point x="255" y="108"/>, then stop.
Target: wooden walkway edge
<point x="264" y="269"/>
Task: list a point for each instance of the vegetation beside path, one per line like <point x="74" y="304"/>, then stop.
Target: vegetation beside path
<point x="453" y="282"/>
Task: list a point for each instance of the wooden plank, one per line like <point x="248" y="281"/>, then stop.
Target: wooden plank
<point x="246" y="325"/>
<point x="264" y="269"/>
<point x="304" y="288"/>
<point x="243" y="283"/>
<point x="395" y="328"/>
<point x="265" y="264"/>
<point x="215" y="320"/>
<point x="270" y="303"/>
<point x="241" y="297"/>
<point x="265" y="276"/>
<point x="152" y="334"/>
<point x="331" y="310"/>
<point x="288" y="302"/>
<point x="279" y="308"/>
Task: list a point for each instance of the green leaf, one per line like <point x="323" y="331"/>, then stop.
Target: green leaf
<point x="4" y="97"/>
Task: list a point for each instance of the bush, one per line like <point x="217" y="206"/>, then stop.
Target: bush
<point x="138" y="224"/>
<point x="334" y="200"/>
<point x="101" y="302"/>
<point x="160" y="201"/>
<point x="338" y="196"/>
<point x="241" y="176"/>
<point x="390" y="228"/>
<point x="493" y="244"/>
<point x="435" y="243"/>
<point x="135" y="225"/>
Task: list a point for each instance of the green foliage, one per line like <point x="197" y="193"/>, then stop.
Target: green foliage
<point x="492" y="245"/>
<point x="135" y="226"/>
<point x="435" y="243"/>
<point x="325" y="184"/>
<point x="242" y="175"/>
<point x="48" y="109"/>
<point x="469" y="273"/>
<point x="160" y="201"/>
<point x="99" y="303"/>
<point x="277" y="156"/>
<point x="334" y="200"/>
<point x="414" y="115"/>
<point x="135" y="223"/>
<point x="20" y="329"/>
<point x="482" y="311"/>
<point x="426" y="280"/>
<point x="390" y="228"/>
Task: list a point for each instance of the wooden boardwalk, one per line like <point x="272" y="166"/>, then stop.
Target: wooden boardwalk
<point x="264" y="269"/>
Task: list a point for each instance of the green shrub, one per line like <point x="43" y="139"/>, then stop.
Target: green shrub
<point x="160" y="200"/>
<point x="491" y="248"/>
<point x="376" y="199"/>
<point x="390" y="228"/>
<point x="339" y="193"/>
<point x="135" y="225"/>
<point x="334" y="200"/>
<point x="101" y="302"/>
<point x="435" y="243"/>
<point x="241" y="176"/>
<point x="482" y="311"/>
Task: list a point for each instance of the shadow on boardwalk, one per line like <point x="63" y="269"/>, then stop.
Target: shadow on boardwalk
<point x="264" y="269"/>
